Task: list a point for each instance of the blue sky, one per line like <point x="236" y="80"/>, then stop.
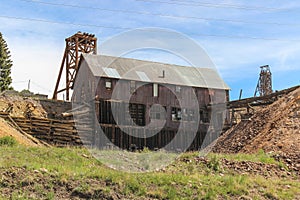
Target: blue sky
<point x="239" y="36"/>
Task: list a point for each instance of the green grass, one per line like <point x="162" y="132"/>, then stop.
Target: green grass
<point x="260" y="156"/>
<point x="180" y="180"/>
<point x="8" y="141"/>
<point x="133" y="161"/>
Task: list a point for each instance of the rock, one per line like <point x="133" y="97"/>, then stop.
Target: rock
<point x="84" y="155"/>
<point x="271" y="128"/>
<point x="44" y="170"/>
<point x="245" y="198"/>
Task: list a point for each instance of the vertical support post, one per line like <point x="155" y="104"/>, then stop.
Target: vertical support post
<point x="241" y="92"/>
<point x="28" y="85"/>
<point x="67" y="71"/>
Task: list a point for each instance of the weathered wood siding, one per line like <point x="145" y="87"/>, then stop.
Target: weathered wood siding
<point x="144" y="96"/>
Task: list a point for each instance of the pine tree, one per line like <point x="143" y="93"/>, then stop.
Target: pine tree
<point x="5" y="66"/>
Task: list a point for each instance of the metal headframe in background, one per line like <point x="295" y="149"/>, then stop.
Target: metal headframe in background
<point x="75" y="45"/>
<point x="264" y="85"/>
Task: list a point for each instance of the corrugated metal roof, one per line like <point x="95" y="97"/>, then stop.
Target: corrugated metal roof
<point x="147" y="71"/>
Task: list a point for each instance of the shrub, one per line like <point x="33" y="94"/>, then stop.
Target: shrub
<point x="214" y="163"/>
<point x="8" y="141"/>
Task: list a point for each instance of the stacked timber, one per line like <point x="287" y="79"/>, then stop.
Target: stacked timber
<point x="52" y="131"/>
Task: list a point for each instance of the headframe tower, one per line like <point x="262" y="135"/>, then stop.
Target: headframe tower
<point x="264" y="85"/>
<point x="75" y="45"/>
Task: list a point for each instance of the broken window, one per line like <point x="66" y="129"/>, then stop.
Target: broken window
<point x="177" y="88"/>
<point x="105" y="112"/>
<point x="137" y="113"/>
<point x="108" y="84"/>
<point x="176" y="114"/>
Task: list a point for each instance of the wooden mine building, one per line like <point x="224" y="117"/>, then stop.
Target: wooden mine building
<point x="144" y="92"/>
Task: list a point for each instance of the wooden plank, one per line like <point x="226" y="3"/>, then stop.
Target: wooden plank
<point x="268" y="98"/>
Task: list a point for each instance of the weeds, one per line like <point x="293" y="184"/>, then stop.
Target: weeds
<point x="8" y="141"/>
<point x="184" y="179"/>
<point x="214" y="163"/>
<point x="260" y="156"/>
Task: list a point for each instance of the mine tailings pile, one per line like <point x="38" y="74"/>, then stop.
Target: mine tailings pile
<point x="273" y="128"/>
<point x="30" y="117"/>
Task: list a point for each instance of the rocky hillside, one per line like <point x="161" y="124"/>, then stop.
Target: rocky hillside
<point x="274" y="128"/>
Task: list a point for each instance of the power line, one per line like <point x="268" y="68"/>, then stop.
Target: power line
<point x="41" y="87"/>
<point x="226" y="5"/>
<point x="212" y="5"/>
<point x="180" y="2"/>
<point x="130" y="28"/>
<point x="65" y="23"/>
<point x="16" y="82"/>
<point x="34" y="83"/>
<point x="161" y="15"/>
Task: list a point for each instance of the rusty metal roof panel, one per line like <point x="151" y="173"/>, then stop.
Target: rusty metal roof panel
<point x="147" y="71"/>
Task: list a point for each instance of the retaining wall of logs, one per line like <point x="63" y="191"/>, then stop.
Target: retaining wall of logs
<point x="56" y="132"/>
<point x="52" y="131"/>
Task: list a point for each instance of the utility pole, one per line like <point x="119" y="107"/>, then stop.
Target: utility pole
<point x="241" y="92"/>
<point x="28" y="87"/>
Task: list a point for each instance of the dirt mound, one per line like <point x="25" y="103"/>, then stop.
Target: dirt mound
<point x="7" y="130"/>
<point x="246" y="167"/>
<point x="273" y="128"/>
<point x="21" y="106"/>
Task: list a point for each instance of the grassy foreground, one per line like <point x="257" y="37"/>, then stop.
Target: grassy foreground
<point x="72" y="173"/>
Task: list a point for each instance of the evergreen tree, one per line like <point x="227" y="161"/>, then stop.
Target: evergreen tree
<point x="5" y="66"/>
